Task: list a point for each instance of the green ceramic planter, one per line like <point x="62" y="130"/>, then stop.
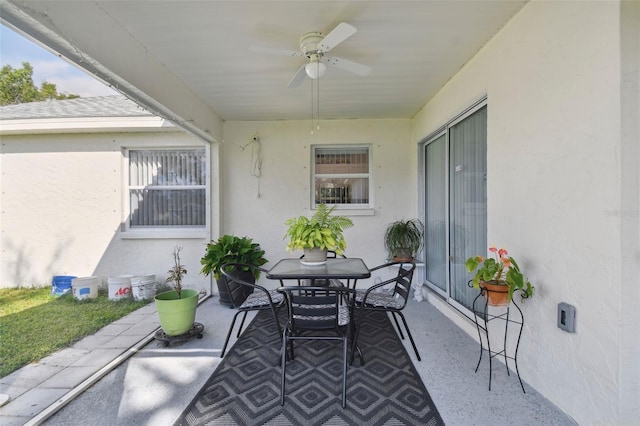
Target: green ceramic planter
<point x="176" y="315"/>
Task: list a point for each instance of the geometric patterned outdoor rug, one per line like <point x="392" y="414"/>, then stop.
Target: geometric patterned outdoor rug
<point x="245" y="388"/>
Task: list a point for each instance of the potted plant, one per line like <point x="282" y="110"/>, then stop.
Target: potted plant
<point x="499" y="276"/>
<point x="317" y="234"/>
<point x="403" y="239"/>
<point x="176" y="308"/>
<point x="232" y="249"/>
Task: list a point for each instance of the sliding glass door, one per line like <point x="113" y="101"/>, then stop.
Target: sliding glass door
<point x="436" y="213"/>
<point x="455" y="198"/>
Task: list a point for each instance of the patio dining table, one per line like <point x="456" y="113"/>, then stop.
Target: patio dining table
<point x="351" y="269"/>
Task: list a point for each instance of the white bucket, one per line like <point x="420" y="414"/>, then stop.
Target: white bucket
<point x="119" y="287"/>
<point x="85" y="287"/>
<point x="143" y="287"/>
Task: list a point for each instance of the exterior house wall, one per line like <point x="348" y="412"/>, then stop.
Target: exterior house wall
<point x="552" y="78"/>
<point x="76" y="199"/>
<point x="258" y="208"/>
<point x="62" y="210"/>
<point x="629" y="215"/>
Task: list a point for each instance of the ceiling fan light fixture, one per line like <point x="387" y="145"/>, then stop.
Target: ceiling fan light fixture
<point x="315" y="69"/>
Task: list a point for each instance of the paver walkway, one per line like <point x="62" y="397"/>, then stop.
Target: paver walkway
<point x="41" y="386"/>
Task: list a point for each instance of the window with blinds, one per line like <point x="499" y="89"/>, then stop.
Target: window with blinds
<point x="341" y="176"/>
<point x="167" y="188"/>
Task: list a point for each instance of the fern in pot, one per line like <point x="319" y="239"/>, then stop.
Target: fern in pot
<point x="317" y="234"/>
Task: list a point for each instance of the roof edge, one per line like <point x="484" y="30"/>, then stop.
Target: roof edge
<point x="84" y="125"/>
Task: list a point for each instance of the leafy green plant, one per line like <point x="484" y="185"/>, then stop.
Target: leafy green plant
<point x="232" y="249"/>
<point x="500" y="269"/>
<point x="403" y="238"/>
<point x="322" y="230"/>
<point x="176" y="272"/>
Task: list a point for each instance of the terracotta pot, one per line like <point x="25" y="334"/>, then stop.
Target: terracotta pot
<point x="403" y="255"/>
<point x="402" y="259"/>
<point x="495" y="294"/>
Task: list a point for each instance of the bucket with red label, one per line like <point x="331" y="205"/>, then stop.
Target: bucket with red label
<point x="119" y="287"/>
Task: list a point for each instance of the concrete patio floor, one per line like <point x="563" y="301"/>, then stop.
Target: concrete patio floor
<point x="153" y="384"/>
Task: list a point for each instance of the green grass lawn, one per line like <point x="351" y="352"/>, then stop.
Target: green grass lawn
<point x="34" y="324"/>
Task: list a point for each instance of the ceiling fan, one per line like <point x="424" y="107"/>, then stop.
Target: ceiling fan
<point x="314" y="45"/>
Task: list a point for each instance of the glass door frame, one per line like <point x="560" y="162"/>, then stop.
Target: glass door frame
<point x="422" y="148"/>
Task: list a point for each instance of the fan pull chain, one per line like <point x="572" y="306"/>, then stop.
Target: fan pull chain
<point x="317" y="109"/>
<point x="318" y="100"/>
<point x="312" y="107"/>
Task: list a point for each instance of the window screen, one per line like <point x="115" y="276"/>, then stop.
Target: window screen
<point x="342" y="176"/>
<point x="167" y="188"/>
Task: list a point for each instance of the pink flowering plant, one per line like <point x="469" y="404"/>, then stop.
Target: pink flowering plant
<point x="500" y="269"/>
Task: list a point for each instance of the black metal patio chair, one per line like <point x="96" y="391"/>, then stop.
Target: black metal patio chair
<point x="259" y="298"/>
<point x="317" y="313"/>
<point x="392" y="300"/>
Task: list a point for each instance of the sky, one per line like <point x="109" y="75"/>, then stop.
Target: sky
<point x="16" y="49"/>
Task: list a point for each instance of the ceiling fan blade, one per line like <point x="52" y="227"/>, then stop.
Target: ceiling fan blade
<point x="274" y="51"/>
<point x="297" y="77"/>
<point x="347" y="65"/>
<point x="339" y="34"/>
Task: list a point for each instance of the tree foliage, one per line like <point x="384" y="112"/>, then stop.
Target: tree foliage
<point x="16" y="87"/>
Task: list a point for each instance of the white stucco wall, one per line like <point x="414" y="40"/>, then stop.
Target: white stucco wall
<point x="552" y="77"/>
<point x="62" y="209"/>
<point x="258" y="208"/>
<point x="65" y="217"/>
<point x="629" y="388"/>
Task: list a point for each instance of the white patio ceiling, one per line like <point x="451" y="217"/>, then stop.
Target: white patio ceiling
<point x="200" y="50"/>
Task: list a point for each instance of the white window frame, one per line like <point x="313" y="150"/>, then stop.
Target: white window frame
<point x="162" y="232"/>
<point x="356" y="208"/>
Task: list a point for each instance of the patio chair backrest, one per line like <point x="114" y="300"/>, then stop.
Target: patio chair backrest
<point x="318" y="308"/>
<point x="403" y="280"/>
